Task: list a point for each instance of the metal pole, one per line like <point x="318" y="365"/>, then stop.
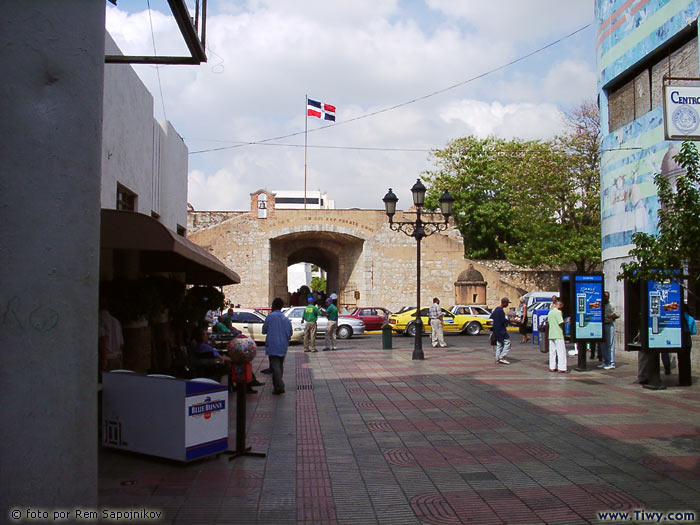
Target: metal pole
<point x="306" y="129"/>
<point x="418" y="343"/>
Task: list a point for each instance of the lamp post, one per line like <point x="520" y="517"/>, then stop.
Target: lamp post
<point x="418" y="229"/>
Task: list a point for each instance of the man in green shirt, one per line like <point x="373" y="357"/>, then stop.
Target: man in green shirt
<point x="557" y="348"/>
<point x="310" y="316"/>
<point x="331" y="330"/>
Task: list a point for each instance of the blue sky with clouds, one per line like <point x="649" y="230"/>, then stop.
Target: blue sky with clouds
<point x="362" y="56"/>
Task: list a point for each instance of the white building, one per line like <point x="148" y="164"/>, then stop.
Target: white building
<point x="144" y="170"/>
<point x="294" y="200"/>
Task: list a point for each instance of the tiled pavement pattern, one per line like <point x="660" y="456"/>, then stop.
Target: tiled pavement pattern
<point x="365" y="435"/>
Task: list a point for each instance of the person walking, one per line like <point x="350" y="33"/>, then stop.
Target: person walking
<point x="332" y="328"/>
<point x="557" y="347"/>
<point x="435" y="315"/>
<point x="278" y="328"/>
<point x="500" y="331"/>
<point x="309" y="317"/>
<point x="608" y="346"/>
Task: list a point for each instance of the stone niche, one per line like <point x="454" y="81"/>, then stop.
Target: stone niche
<point x="470" y="287"/>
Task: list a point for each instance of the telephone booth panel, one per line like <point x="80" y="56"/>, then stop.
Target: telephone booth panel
<point x="583" y="303"/>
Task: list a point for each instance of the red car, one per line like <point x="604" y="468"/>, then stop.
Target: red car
<point x="373" y="316"/>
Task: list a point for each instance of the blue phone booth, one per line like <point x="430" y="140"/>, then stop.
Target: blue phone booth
<point x="653" y="324"/>
<point x="583" y="305"/>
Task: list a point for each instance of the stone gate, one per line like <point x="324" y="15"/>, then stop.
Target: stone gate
<point x="367" y="264"/>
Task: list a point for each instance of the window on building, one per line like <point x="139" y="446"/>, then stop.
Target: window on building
<point x="296" y="200"/>
<point x="126" y="199"/>
<point x="640" y="90"/>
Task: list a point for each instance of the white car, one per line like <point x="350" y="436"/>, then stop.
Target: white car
<point x="250" y="322"/>
<point x="347" y="326"/>
<point x="470" y="309"/>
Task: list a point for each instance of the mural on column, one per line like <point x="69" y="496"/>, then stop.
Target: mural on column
<point x="628" y="30"/>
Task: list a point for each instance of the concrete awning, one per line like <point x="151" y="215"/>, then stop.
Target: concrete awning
<point x="162" y="250"/>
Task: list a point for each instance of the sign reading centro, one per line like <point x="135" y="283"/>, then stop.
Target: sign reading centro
<point x="682" y="112"/>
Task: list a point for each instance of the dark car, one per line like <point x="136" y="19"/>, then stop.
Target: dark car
<point x="373" y="316"/>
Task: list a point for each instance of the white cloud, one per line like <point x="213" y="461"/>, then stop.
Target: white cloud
<point x="518" y="20"/>
<point x="527" y="121"/>
<point x="362" y="56"/>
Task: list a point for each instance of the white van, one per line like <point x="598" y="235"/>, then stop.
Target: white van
<point x="538" y="297"/>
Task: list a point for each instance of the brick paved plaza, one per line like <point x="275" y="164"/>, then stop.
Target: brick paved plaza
<point x="365" y="435"/>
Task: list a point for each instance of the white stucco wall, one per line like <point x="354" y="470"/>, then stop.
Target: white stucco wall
<point x="146" y="156"/>
<point x="173" y="177"/>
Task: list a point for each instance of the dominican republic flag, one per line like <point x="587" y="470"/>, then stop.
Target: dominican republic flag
<point x="316" y="109"/>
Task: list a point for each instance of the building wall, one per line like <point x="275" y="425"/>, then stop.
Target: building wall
<point x="632" y="153"/>
<point x="51" y="127"/>
<point x="359" y="252"/>
<point x="173" y="177"/>
<point x="146" y="156"/>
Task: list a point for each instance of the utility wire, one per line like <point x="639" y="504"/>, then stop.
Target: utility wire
<point x="402" y="104"/>
<point x="368" y="148"/>
<point x="153" y="39"/>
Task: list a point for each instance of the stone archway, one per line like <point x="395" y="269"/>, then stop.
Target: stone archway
<point x="337" y="253"/>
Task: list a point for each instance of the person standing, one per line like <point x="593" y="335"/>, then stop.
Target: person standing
<point x="523" y="329"/>
<point x="310" y="316"/>
<point x="278" y="328"/>
<point x="500" y="331"/>
<point x="110" y="339"/>
<point x="435" y="316"/>
<point x="689" y="329"/>
<point x="557" y="347"/>
<point x="608" y="346"/>
<point x="332" y="328"/>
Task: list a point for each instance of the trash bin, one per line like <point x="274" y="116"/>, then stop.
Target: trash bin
<point x="543" y="343"/>
<point x="386" y="337"/>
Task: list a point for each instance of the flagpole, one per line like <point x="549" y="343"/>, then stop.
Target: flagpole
<point x="306" y="129"/>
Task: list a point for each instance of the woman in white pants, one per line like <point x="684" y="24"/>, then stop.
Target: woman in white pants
<point x="557" y="348"/>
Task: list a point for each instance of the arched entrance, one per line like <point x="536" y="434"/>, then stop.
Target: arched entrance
<point x="337" y="253"/>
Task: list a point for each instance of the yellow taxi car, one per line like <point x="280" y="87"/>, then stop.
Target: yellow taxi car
<point x="405" y="322"/>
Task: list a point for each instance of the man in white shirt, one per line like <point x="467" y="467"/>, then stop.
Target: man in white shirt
<point x="435" y="316"/>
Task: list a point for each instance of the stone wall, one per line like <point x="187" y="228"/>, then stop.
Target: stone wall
<point x="367" y="263"/>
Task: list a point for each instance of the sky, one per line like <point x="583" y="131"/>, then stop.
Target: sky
<point x="365" y="57"/>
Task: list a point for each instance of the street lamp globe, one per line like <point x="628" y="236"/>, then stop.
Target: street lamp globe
<point x="390" y="200"/>
<point x="446" y="200"/>
<point x="418" y="191"/>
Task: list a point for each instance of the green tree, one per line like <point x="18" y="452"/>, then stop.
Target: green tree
<point x="557" y="196"/>
<point x="531" y="202"/>
<point x="318" y="284"/>
<point x="676" y="246"/>
<point x="476" y="173"/>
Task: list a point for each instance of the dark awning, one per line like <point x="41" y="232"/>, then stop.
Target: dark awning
<point x="162" y="250"/>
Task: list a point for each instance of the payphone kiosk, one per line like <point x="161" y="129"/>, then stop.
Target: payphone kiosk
<point x="653" y="324"/>
<point x="583" y="304"/>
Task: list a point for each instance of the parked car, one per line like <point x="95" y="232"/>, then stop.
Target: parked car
<point x="373" y="316"/>
<point x="405" y="323"/>
<point x="470" y="309"/>
<point x="347" y="326"/>
<point x="541" y="305"/>
<point x="250" y="322"/>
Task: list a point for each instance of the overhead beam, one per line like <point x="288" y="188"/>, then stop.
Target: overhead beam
<point x="188" y="30"/>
